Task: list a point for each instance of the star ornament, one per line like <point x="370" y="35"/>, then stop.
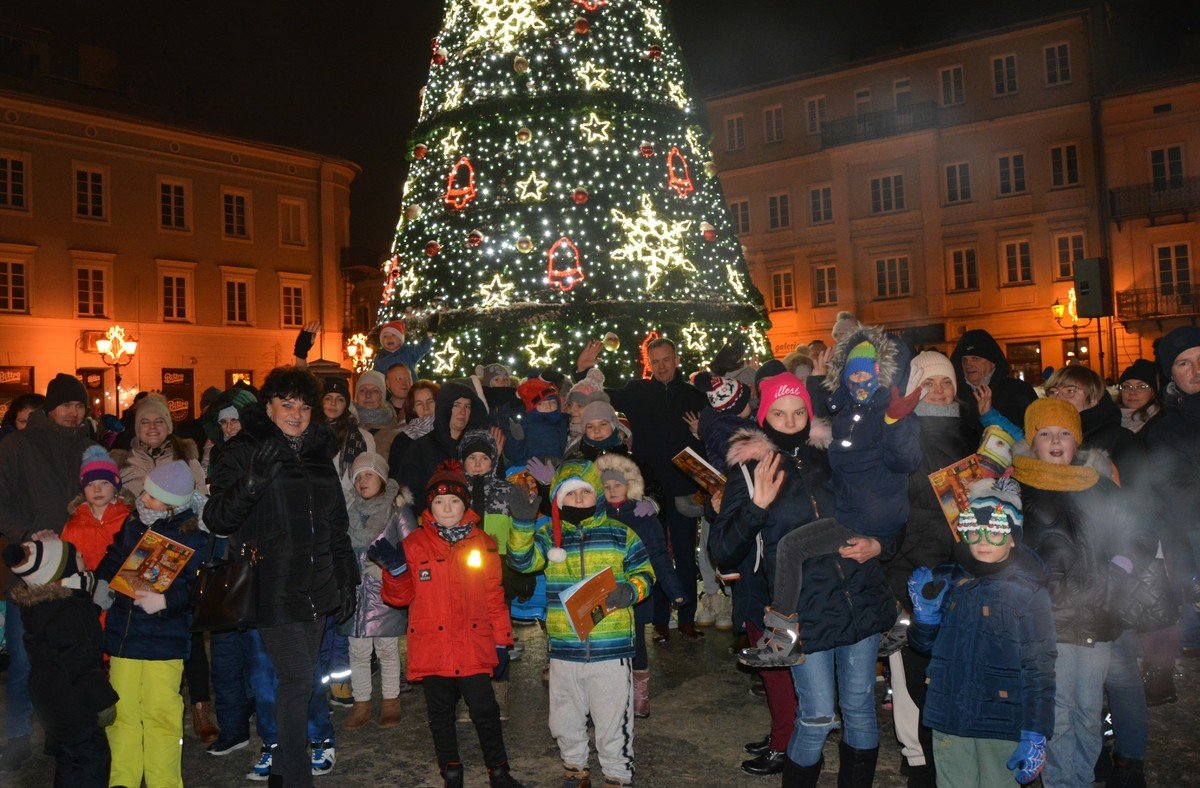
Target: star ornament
<point x="446" y="359"/>
<point x="735" y="281"/>
<point x="451" y="142"/>
<point x="496" y="293"/>
<point x="532" y="189"/>
<point x="654" y="22"/>
<point x="500" y="25"/>
<point x="677" y="95"/>
<point x="593" y="77"/>
<point x="653" y="242"/>
<point x="454" y="97"/>
<point x="541" y="353"/>
<point x="694" y="336"/>
<point x="408" y="284"/>
<point x="594" y="129"/>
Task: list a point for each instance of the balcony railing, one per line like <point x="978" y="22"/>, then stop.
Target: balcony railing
<point x="1147" y="201"/>
<point x="877" y="125"/>
<point x="1150" y="303"/>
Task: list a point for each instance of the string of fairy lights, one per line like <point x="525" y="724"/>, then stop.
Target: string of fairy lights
<point x="562" y="187"/>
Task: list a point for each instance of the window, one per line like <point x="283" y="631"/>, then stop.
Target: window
<point x="1004" y="75"/>
<point x="93" y="282"/>
<point x="953" y="89"/>
<point x="1067" y="249"/>
<point x="1018" y="266"/>
<point x="964" y="270"/>
<point x="293" y="300"/>
<point x="1075" y="351"/>
<point x="1064" y="166"/>
<point x="902" y="92"/>
<point x="773" y="124"/>
<point x="824" y="285"/>
<point x="740" y="210"/>
<point x="735" y="132"/>
<point x="1012" y="173"/>
<point x="814" y="112"/>
<point x="176" y="291"/>
<point x="235" y="213"/>
<point x="862" y="101"/>
<point x="958" y="182"/>
<point x="1025" y="360"/>
<point x="779" y="212"/>
<point x="1174" y="270"/>
<point x="891" y="277"/>
<point x="293" y="217"/>
<point x="887" y="194"/>
<point x="1058" y="64"/>
<point x="781" y="290"/>
<point x="820" y="202"/>
<point x="1166" y="167"/>
<point x="14" y="286"/>
<point x="238" y="284"/>
<point x="14" y="193"/>
<point x="91" y="196"/>
<point x="174" y="207"/>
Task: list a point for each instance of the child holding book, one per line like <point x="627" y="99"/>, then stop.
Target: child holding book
<point x="147" y="638"/>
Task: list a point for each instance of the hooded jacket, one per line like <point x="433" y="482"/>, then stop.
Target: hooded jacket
<point x="39" y="474"/>
<point x="597" y="542"/>
<point x="297" y="523"/>
<point x="991" y="672"/>
<point x="67" y="682"/>
<point x="1173" y="445"/>
<point x="1102" y="430"/>
<point x="371" y="519"/>
<point x="871" y="459"/>
<point x="422" y="458"/>
<point x="90" y="536"/>
<point x="1011" y="396"/>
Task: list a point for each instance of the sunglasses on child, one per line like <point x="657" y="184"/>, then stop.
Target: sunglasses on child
<point x="996" y="532"/>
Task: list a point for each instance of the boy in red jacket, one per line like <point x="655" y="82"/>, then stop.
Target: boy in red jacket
<point x="447" y="573"/>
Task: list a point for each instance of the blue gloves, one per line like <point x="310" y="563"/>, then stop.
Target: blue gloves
<point x="926" y="594"/>
<point x="1029" y="757"/>
<point x="389" y="556"/>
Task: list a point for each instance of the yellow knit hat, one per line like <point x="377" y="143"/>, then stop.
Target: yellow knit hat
<point x="1052" y="412"/>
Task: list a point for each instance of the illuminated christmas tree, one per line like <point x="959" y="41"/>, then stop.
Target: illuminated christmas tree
<point x="562" y="188"/>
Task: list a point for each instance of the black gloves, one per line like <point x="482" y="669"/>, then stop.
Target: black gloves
<point x="304" y="343"/>
<point x="348" y="601"/>
<point x="623" y="596"/>
<point x="521" y="505"/>
<point x="264" y="465"/>
<point x="435" y="322"/>
<point x="389" y="556"/>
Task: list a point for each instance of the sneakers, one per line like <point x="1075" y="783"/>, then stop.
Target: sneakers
<point x="323" y="757"/>
<point x="724" y="613"/>
<point x="706" y="612"/>
<point x="225" y="746"/>
<point x="261" y="771"/>
<point x="894" y="639"/>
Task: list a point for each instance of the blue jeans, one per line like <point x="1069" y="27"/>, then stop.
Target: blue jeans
<point x="1078" y="697"/>
<point x="264" y="681"/>
<point x="333" y="664"/>
<point x="231" y="683"/>
<point x="19" y="707"/>
<point x="816" y="714"/>
<point x="1127" y="697"/>
<point x="681" y="531"/>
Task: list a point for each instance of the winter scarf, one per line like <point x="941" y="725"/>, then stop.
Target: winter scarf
<point x="937" y="411"/>
<point x="418" y="427"/>
<point x="455" y="533"/>
<point x="1060" y="478"/>
<point x="376" y="418"/>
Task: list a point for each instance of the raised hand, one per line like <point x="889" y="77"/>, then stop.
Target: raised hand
<point x="522" y="505"/>
<point x="768" y="481"/>
<point x="589" y="354"/>
<point x="983" y="397"/>
<point x="926" y="594"/>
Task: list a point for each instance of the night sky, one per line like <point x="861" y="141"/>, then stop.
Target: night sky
<point x="342" y="78"/>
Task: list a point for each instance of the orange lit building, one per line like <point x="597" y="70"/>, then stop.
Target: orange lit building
<point x="953" y="187"/>
<point x="210" y="250"/>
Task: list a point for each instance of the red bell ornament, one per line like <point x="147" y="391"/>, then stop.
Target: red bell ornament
<point x="678" y="177"/>
<point x="460" y="189"/>
<point x="564" y="279"/>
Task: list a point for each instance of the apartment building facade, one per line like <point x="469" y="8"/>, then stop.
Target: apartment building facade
<point x="210" y="251"/>
<point x="933" y="191"/>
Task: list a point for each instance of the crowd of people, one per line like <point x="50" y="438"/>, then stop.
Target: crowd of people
<point x="1019" y="560"/>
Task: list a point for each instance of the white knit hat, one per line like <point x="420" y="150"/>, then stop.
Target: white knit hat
<point x="369" y="462"/>
<point x="929" y="364"/>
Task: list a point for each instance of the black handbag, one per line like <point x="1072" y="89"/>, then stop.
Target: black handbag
<point x="1144" y="599"/>
<point x="226" y="593"/>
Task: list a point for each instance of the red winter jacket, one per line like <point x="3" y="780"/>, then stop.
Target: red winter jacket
<point x="456" y="611"/>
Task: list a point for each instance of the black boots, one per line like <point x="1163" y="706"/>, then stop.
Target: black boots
<point x="452" y="775"/>
<point x="1126" y="773"/>
<point x="499" y="777"/>
<point x="770" y="762"/>
<point x="857" y="767"/>
<point x="797" y="776"/>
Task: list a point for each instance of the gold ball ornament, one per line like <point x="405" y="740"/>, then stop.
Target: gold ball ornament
<point x="524" y="244"/>
<point x="611" y="342"/>
<point x="524" y="135"/>
<point x="520" y="64"/>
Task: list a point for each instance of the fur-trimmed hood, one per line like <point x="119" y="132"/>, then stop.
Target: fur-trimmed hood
<point x="628" y="468"/>
<point x="753" y="445"/>
<point x="28" y="596"/>
<point x="890" y="354"/>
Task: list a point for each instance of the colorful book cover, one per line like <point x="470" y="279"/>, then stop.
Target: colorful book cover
<point x="584" y="601"/>
<point x="152" y="566"/>
<point x="709" y="478"/>
<point x="950" y="485"/>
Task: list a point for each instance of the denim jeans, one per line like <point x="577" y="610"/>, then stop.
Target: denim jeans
<point x="1078" y="697"/>
<point x="19" y="707"/>
<point x="681" y="532"/>
<point x="231" y="684"/>
<point x="264" y="682"/>
<point x="819" y="699"/>
<point x="1127" y="697"/>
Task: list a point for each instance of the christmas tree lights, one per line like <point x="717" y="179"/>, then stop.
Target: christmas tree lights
<point x="561" y="188"/>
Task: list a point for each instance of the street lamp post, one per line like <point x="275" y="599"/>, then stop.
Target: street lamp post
<point x="1061" y="310"/>
<point x="116" y="351"/>
<point x="359" y="352"/>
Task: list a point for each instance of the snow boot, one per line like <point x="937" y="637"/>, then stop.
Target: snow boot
<point x="641" y="694"/>
<point x="389" y="712"/>
<point x="857" y="767"/>
<point x="360" y="715"/>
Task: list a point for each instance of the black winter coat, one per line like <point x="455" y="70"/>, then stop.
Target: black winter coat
<point x="422" y="458"/>
<point x="842" y="601"/>
<point x="298" y="523"/>
<point x="1172" y="442"/>
<point x="39" y="475"/>
<point x="1102" y="430"/>
<point x="67" y="682"/>
<point x="1011" y="396"/>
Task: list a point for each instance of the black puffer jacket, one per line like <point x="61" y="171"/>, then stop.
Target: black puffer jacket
<point x="298" y="523"/>
<point x="842" y="601"/>
<point x="1172" y="442"/>
<point x="1011" y="396"/>
<point x="1102" y="430"/>
<point x="422" y="458"/>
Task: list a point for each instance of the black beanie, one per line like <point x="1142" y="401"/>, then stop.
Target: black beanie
<point x="769" y="370"/>
<point x="1142" y="370"/>
<point x="336" y="385"/>
<point x="64" y="388"/>
<point x="1173" y="344"/>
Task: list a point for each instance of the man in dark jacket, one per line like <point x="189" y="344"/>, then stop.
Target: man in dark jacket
<point x="979" y="361"/>
<point x="39" y="475"/>
<point x="656" y="408"/>
<point x="457" y="410"/>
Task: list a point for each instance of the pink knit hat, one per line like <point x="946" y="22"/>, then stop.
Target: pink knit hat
<point x="785" y="384"/>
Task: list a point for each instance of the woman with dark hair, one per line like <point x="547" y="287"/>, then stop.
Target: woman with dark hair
<point x="349" y="439"/>
<point x="18" y="412"/>
<point x="1137" y="394"/>
<point x="276" y="491"/>
<point x="419" y="407"/>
